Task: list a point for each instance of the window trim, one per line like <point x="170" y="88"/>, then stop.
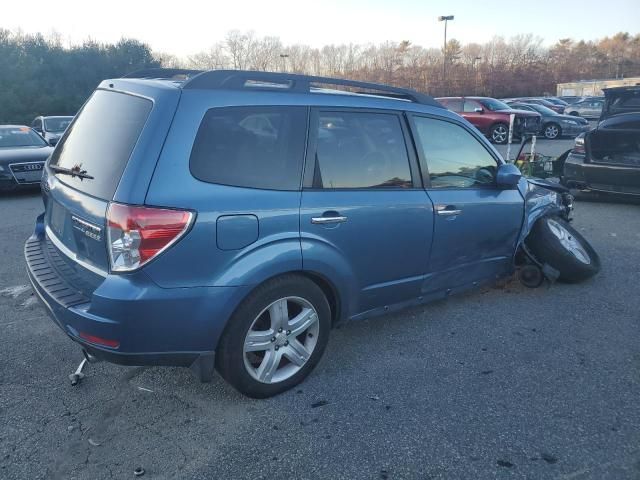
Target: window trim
<point x="312" y="144"/>
<point x="304" y="149"/>
<point x="411" y="116"/>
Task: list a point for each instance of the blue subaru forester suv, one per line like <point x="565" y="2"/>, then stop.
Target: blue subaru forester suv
<point x="226" y="220"/>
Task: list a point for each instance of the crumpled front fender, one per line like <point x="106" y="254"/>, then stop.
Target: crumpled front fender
<point x="542" y="198"/>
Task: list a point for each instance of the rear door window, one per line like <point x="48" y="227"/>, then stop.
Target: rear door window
<point x="255" y="147"/>
<point x="360" y="150"/>
<point x="101" y="140"/>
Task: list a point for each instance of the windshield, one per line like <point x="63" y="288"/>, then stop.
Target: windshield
<point x="57" y="124"/>
<point x="20" y="137"/>
<point x="494" y="105"/>
<point x="542" y="109"/>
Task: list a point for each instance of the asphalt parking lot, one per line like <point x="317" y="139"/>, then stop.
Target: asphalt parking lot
<point x="504" y="382"/>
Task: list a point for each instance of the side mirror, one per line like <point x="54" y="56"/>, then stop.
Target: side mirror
<point x="478" y="110"/>
<point x="508" y="176"/>
<point x="53" y="141"/>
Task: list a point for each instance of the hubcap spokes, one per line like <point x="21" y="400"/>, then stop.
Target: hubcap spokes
<point x="552" y="132"/>
<point x="500" y="134"/>
<point x="281" y="340"/>
<point x="569" y="242"/>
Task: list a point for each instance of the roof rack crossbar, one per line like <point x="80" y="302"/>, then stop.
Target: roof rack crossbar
<point x="163" y="73"/>
<point x="238" y="79"/>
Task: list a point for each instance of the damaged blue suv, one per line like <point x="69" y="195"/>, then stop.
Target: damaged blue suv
<point x="226" y="220"/>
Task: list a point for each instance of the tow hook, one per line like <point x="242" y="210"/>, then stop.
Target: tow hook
<point x="77" y="376"/>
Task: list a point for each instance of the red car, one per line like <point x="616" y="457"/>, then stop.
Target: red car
<point x="491" y="117"/>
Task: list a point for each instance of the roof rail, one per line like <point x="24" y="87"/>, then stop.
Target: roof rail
<point x="163" y="73"/>
<point x="295" y="83"/>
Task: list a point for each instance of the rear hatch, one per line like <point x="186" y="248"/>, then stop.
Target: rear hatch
<point x="108" y="152"/>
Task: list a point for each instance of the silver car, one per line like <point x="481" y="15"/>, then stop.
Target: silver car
<point x="589" y="108"/>
<point x="51" y="128"/>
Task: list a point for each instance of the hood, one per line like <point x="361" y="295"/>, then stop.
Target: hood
<point x="520" y="113"/>
<point x="620" y="100"/>
<point x="24" y="154"/>
<point x="580" y="120"/>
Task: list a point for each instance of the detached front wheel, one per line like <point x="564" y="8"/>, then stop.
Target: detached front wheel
<point x="553" y="241"/>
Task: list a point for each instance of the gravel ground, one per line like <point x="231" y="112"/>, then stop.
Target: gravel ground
<point x="504" y="382"/>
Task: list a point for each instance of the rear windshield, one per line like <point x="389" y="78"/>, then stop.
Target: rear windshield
<point x="101" y="140"/>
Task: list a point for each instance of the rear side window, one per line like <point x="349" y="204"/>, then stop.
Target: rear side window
<point x="101" y="140"/>
<point x="256" y="147"/>
<point x="361" y="150"/>
<point x="453" y="104"/>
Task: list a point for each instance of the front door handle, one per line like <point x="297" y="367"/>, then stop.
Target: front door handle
<point x="328" y="220"/>
<point x="448" y="210"/>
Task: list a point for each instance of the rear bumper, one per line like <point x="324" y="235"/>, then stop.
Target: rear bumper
<point x="610" y="178"/>
<point x="151" y="325"/>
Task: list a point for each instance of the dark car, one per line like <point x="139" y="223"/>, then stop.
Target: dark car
<point x="555" y="125"/>
<point x="540" y="101"/>
<point x="22" y="156"/>
<point x="556" y="101"/>
<point x="607" y="158"/>
<point x="228" y="220"/>
<point x="51" y="128"/>
<point x="492" y="117"/>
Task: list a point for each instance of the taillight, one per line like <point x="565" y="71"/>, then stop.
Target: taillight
<point x="138" y="234"/>
<point x="578" y="147"/>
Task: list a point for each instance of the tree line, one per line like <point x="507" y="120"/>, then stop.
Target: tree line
<point x="40" y="76"/>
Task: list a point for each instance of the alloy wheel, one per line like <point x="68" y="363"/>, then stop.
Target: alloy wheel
<point x="569" y="242"/>
<point x="551" y="132"/>
<point x="281" y="340"/>
<point x="500" y="134"/>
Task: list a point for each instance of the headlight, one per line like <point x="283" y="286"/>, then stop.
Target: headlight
<point x="571" y="122"/>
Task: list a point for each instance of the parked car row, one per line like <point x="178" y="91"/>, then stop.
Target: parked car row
<point x="553" y="124"/>
<point x="492" y="117"/>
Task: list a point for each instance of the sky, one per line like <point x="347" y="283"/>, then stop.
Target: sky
<point x="185" y="27"/>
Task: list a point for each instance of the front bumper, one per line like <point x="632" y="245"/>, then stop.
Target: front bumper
<point x="573" y="130"/>
<point x="152" y="325"/>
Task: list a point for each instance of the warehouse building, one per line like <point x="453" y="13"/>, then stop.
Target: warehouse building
<point x="587" y="88"/>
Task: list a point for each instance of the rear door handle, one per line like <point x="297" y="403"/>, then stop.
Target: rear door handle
<point x="327" y="220"/>
<point x="448" y="210"/>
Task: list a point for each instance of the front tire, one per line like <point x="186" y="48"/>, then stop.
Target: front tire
<point x="552" y="131"/>
<point x="553" y="241"/>
<point x="499" y="133"/>
<point x="276" y="337"/>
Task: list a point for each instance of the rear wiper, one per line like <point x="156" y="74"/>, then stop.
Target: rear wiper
<point x="74" y="172"/>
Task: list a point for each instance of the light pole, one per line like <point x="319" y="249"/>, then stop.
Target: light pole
<point x="475" y="74"/>
<point x="284" y="57"/>
<point x="445" y="19"/>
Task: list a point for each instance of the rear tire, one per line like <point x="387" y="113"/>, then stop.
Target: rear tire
<point x="499" y="133"/>
<point x="259" y="358"/>
<point x="553" y="241"/>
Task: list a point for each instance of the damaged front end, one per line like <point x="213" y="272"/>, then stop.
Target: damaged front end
<point x="543" y="198"/>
